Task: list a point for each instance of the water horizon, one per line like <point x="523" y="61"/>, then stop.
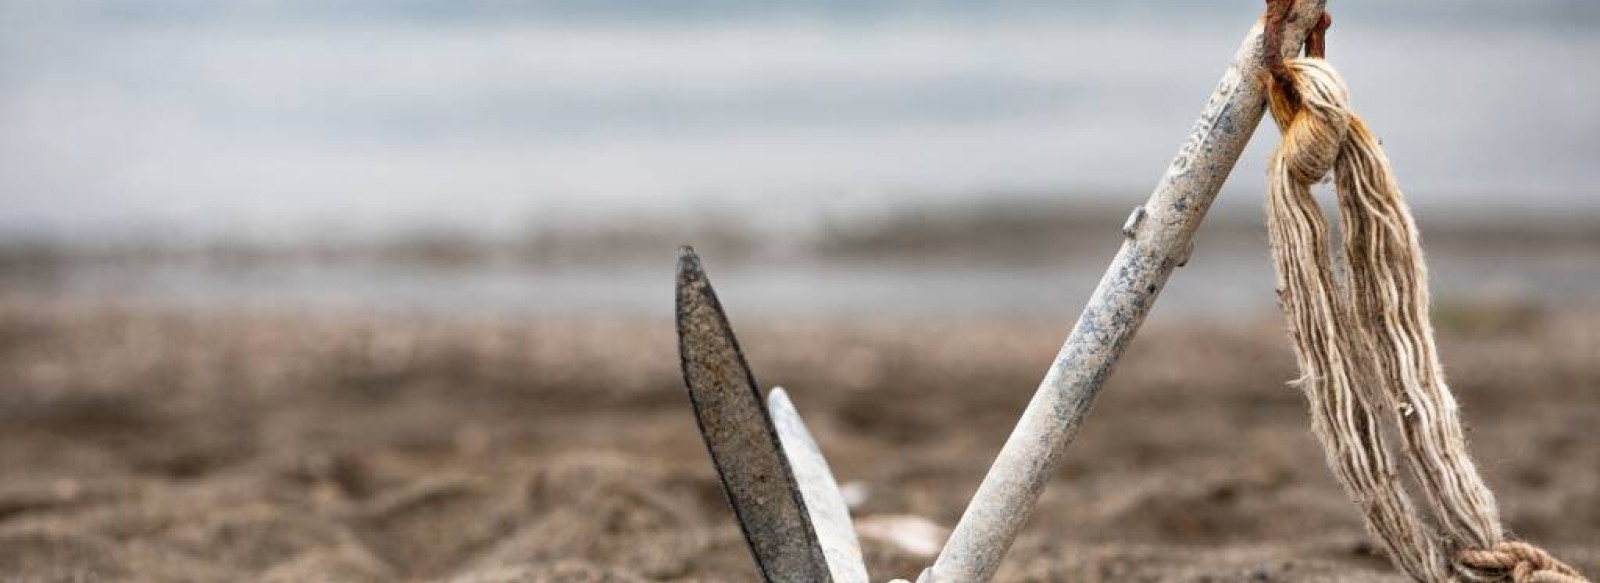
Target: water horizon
<point x="286" y="118"/>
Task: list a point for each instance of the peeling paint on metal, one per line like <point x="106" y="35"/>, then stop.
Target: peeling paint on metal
<point x="1124" y="296"/>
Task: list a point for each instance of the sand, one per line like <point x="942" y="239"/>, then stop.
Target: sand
<point x="218" y="446"/>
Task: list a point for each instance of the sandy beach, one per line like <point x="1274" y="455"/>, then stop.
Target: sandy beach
<point x="142" y="444"/>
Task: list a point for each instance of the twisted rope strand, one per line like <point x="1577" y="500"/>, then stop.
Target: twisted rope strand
<point x="1388" y="289"/>
<point x="1366" y="347"/>
<point x="1520" y="562"/>
<point x="1342" y="415"/>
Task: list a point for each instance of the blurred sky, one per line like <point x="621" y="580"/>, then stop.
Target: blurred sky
<point x="288" y="116"/>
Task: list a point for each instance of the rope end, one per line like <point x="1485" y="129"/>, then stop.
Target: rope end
<point x="1516" y="562"/>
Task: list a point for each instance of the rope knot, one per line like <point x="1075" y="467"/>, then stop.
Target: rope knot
<point x="1516" y="562"/>
<point x="1314" y="118"/>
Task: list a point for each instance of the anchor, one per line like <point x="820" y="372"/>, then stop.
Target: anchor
<point x="776" y="479"/>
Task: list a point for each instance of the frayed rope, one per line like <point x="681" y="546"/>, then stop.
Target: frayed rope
<point x="1366" y="347"/>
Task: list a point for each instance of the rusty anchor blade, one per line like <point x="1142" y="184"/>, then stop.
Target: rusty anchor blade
<point x="741" y="438"/>
<point x="829" y="513"/>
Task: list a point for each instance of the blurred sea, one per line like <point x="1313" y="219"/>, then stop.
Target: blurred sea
<point x="285" y="123"/>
